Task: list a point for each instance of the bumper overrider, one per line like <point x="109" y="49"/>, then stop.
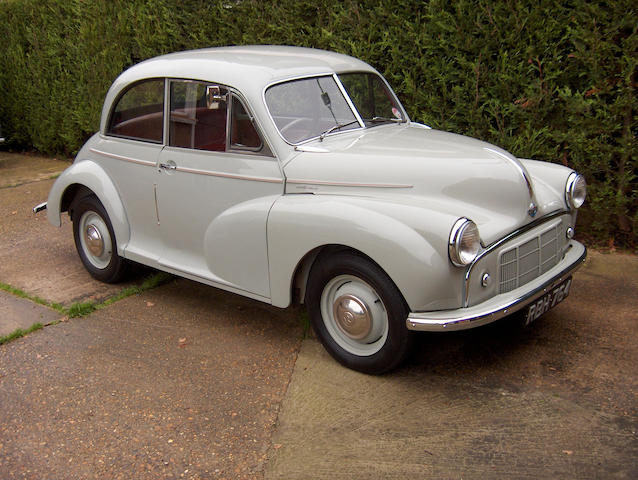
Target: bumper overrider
<point x="501" y="305"/>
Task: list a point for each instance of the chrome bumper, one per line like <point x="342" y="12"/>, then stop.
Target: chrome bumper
<point x="39" y="207"/>
<point x="500" y="305"/>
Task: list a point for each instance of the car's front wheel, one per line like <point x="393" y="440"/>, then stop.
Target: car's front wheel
<point x="95" y="240"/>
<point x="358" y="313"/>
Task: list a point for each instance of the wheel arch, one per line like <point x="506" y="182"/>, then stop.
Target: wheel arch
<point x="73" y="192"/>
<point x="304" y="267"/>
<point x="358" y="313"/>
<point x="85" y="178"/>
<point x="302" y="227"/>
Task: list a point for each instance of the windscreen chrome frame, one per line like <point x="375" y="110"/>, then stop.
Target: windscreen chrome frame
<point x="343" y="91"/>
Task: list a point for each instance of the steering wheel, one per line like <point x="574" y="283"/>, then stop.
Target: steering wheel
<point x="291" y="124"/>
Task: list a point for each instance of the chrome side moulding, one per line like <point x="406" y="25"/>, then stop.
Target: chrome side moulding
<point x="296" y="181"/>
<point x="137" y="161"/>
<point x="212" y="173"/>
<point x="500" y="305"/>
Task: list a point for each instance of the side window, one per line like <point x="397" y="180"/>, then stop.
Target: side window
<point x="243" y="134"/>
<point x="198" y="116"/>
<point x="139" y="113"/>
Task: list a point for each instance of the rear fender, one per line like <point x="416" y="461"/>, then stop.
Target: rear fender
<point x="90" y="175"/>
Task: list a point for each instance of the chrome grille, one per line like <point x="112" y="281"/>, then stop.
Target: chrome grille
<point x="525" y="262"/>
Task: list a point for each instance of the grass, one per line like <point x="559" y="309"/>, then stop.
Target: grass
<point x="305" y="324"/>
<point x="22" y="294"/>
<point x="80" y="309"/>
<point x="20" y="333"/>
<point x="155" y="280"/>
<point x="19" y="184"/>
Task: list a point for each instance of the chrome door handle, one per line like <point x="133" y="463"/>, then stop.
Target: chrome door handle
<point x="168" y="166"/>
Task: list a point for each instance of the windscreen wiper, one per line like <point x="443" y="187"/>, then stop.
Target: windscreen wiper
<point x="338" y="126"/>
<point x="386" y="119"/>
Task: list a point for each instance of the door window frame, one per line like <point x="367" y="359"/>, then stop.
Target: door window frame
<point x="263" y="150"/>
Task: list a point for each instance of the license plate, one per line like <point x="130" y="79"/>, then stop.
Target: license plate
<point x="547" y="301"/>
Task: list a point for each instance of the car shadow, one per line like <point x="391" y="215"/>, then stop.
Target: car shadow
<point x="506" y="347"/>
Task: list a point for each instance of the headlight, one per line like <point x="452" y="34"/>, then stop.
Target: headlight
<point x="575" y="190"/>
<point x="465" y="242"/>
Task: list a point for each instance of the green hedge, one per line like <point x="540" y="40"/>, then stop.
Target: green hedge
<point x="550" y="80"/>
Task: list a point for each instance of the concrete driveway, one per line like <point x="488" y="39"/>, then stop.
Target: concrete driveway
<point x="186" y="381"/>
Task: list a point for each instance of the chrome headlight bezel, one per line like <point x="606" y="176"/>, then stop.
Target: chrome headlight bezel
<point x="575" y="191"/>
<point x="465" y="242"/>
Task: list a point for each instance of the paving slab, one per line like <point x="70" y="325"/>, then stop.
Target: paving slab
<point x="556" y="400"/>
<point x="22" y="313"/>
<point x="39" y="258"/>
<point x="17" y="169"/>
<point x="184" y="381"/>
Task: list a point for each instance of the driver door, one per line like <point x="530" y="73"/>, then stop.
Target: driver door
<point x="216" y="183"/>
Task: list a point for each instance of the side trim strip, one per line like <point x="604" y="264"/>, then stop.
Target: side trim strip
<point x="229" y="175"/>
<point x="123" y="158"/>
<point x="349" y="184"/>
<point x="189" y="170"/>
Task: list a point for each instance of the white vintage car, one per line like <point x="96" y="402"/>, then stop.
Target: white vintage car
<point x="295" y="175"/>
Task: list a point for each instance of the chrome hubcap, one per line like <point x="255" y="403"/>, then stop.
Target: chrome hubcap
<point x="93" y="240"/>
<point x="352" y="316"/>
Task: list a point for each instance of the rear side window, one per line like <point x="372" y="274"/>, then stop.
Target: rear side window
<point x="139" y="113"/>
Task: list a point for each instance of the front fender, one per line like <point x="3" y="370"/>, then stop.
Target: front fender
<point x="549" y="183"/>
<point x="408" y="242"/>
<point x="90" y="175"/>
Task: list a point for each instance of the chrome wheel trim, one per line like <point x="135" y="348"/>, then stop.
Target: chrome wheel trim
<point x="95" y="239"/>
<point x="354" y="315"/>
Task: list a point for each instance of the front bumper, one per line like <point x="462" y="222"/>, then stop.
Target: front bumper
<point x="501" y="305"/>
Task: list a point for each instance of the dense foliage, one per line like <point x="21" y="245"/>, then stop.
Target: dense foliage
<point x="545" y="79"/>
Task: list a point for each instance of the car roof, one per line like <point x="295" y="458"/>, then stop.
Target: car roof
<point x="267" y="62"/>
<point x="244" y="66"/>
<point x="250" y="69"/>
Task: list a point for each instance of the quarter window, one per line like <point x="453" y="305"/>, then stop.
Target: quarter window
<point x="243" y="134"/>
<point x="139" y="113"/>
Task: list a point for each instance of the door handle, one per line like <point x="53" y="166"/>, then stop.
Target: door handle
<point x="168" y="166"/>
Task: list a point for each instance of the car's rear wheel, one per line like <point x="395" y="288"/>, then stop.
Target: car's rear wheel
<point x="95" y="240"/>
<point x="358" y="313"/>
